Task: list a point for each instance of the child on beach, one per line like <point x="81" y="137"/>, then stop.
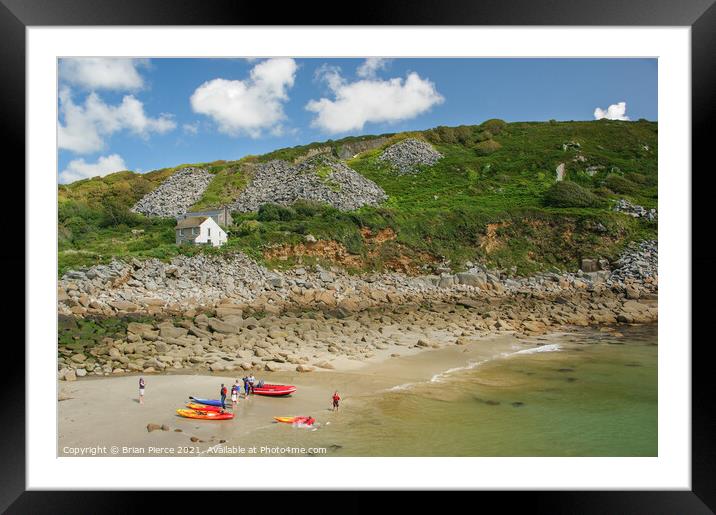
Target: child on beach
<point x="141" y="390"/>
<point x="222" y="392"/>
<point x="336" y="399"/>
<point x="235" y="394"/>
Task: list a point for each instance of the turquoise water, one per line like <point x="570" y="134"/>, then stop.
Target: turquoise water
<point x="593" y="394"/>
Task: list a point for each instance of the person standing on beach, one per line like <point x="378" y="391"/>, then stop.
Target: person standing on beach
<point x="246" y="386"/>
<point x="252" y="380"/>
<point x="141" y="390"/>
<point x="235" y="394"/>
<point x="336" y="399"/>
<point x="222" y="392"/>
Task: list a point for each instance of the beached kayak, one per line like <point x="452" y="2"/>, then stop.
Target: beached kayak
<point x="208" y="402"/>
<point x="275" y="390"/>
<point x="205" y="415"/>
<point x="202" y="407"/>
<point x="285" y="420"/>
<point x="295" y="420"/>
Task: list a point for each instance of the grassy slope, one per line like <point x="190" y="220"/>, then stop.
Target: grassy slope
<point x="468" y="206"/>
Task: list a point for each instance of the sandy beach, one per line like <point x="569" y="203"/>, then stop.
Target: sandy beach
<point x="103" y="415"/>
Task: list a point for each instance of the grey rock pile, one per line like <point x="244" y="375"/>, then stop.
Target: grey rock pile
<point x="639" y="262"/>
<point x="186" y="278"/>
<point x="318" y="179"/>
<point x="176" y="194"/>
<point x="406" y="156"/>
<point x="626" y="207"/>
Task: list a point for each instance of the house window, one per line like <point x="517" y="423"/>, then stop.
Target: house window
<point x="209" y="231"/>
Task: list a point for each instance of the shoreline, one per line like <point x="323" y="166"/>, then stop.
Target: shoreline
<point x="88" y="417"/>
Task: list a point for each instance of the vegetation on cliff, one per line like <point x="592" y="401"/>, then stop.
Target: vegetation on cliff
<point x="493" y="198"/>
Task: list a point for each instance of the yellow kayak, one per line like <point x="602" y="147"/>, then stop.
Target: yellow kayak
<point x="296" y="420"/>
<point x="205" y="415"/>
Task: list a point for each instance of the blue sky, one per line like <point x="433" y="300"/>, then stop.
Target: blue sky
<point x="145" y="114"/>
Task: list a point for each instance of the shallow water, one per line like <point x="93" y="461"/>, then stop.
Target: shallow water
<point x="591" y="394"/>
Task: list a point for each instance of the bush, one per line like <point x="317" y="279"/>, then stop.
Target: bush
<point x="274" y="212"/>
<point x="637" y="178"/>
<point x="570" y="194"/>
<point x="309" y="208"/>
<point x="483" y="136"/>
<point x="116" y="213"/>
<point x="620" y="185"/>
<point x="249" y="227"/>
<point x="494" y="125"/>
<point x="487" y="147"/>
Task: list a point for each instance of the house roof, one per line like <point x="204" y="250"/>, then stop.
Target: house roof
<point x="192" y="221"/>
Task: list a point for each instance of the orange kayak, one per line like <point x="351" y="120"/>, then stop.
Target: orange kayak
<point x="204" y="415"/>
<point x="202" y="407"/>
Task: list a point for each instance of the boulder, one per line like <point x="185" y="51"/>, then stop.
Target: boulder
<point x="503" y="325"/>
<point x="590" y="265"/>
<point x="470" y="279"/>
<point x="78" y="358"/>
<point x="123" y="305"/>
<point x="150" y="335"/>
<point x="199" y="333"/>
<point x="138" y="328"/>
<point x="167" y="330"/>
<point x="222" y="327"/>
<point x="224" y="310"/>
<point x="304" y="368"/>
<point x="534" y="326"/>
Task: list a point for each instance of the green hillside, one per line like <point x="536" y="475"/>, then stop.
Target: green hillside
<point x="492" y="198"/>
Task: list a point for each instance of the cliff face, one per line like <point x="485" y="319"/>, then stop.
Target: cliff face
<point x="349" y="150"/>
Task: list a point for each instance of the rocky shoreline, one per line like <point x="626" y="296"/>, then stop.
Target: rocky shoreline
<point x="226" y="313"/>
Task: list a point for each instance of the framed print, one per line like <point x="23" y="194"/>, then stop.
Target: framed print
<point x="457" y="240"/>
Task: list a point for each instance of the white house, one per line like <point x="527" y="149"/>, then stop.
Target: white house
<point x="200" y="230"/>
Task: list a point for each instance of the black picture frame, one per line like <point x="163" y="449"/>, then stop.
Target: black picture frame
<point x="700" y="15"/>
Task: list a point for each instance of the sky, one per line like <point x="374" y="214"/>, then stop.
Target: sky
<point x="145" y="114"/>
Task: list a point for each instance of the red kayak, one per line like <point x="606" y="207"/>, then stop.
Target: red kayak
<point x="275" y="390"/>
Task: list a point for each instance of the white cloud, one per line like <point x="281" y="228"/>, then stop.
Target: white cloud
<point x="103" y="73"/>
<point x="613" y="112"/>
<point x="86" y="126"/>
<point x="248" y="106"/>
<point x="191" y="128"/>
<point x="371" y="66"/>
<point x="79" y="169"/>
<point x="371" y="100"/>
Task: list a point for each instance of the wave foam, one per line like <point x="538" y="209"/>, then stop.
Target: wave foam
<point x="439" y="377"/>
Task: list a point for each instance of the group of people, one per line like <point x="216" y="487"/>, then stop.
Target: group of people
<point x="249" y="382"/>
